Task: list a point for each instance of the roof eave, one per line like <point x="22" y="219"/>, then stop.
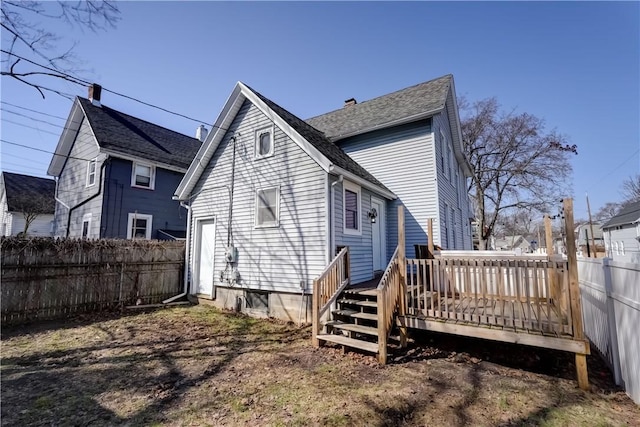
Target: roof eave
<point x="362" y="182"/>
<point x="65" y="143"/>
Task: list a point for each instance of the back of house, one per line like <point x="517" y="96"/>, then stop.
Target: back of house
<point x="273" y="198"/>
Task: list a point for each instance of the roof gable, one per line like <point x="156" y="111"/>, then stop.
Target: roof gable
<point x="628" y="215"/>
<point x="120" y="133"/>
<point x="20" y="187"/>
<point x="398" y="107"/>
<point x="329" y="156"/>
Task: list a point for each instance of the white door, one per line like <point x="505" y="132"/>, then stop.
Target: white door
<point x="206" y="234"/>
<point x="378" y="235"/>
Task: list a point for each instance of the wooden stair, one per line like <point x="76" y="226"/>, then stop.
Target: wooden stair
<point x="354" y="324"/>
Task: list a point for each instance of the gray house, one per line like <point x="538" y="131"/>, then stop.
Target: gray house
<point x="26" y="202"/>
<point x="115" y="175"/>
<point x="622" y="234"/>
<point x="272" y="198"/>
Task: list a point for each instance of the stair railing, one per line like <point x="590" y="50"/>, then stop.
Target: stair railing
<point x="327" y="287"/>
<point x="389" y="294"/>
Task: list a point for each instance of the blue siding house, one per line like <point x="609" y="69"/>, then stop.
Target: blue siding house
<point x="272" y="197"/>
<point x="115" y="175"/>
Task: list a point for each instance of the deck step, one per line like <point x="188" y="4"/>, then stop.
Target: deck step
<point x="367" y="330"/>
<point x="356" y="314"/>
<point x="358" y="302"/>
<point x="366" y="292"/>
<point x="350" y="342"/>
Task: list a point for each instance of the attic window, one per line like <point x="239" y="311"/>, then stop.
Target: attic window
<point x="91" y="172"/>
<point x="143" y="176"/>
<point x="264" y="142"/>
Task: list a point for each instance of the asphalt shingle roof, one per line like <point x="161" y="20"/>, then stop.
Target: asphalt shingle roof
<point x="126" y="134"/>
<point x="28" y="187"/>
<point x="628" y="215"/>
<point x="331" y="151"/>
<point x="375" y="113"/>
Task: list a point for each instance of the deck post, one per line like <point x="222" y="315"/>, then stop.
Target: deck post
<point x="574" y="293"/>
<point x="315" y="328"/>
<point x="382" y="328"/>
<point x="402" y="277"/>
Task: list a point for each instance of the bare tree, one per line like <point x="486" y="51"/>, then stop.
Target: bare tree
<point x="30" y="51"/>
<point x="516" y="163"/>
<point x="609" y="210"/>
<point x="631" y="189"/>
<point x="31" y="205"/>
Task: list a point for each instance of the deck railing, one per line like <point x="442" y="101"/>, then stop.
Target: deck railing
<point x="389" y="295"/>
<point x="515" y="292"/>
<point x="327" y="287"/>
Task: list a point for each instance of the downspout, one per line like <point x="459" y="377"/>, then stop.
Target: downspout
<point x="333" y="216"/>
<point x="187" y="259"/>
<point x="82" y="203"/>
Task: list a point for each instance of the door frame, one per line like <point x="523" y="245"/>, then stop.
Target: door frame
<point x="382" y="220"/>
<point x="197" y="249"/>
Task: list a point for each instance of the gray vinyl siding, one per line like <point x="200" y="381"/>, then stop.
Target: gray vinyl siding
<point x="72" y="188"/>
<point x="360" y="246"/>
<point x="402" y="158"/>
<point x="624" y="235"/>
<point x="449" y="186"/>
<point x="277" y="258"/>
<point x="121" y="199"/>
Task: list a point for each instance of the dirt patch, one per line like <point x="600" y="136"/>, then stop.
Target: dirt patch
<point x="194" y="366"/>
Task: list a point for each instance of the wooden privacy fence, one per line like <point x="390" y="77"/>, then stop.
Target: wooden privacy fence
<point x="47" y="278"/>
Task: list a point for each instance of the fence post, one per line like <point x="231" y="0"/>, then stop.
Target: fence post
<point x="574" y="293"/>
<point x="382" y="327"/>
<point x="611" y="320"/>
<point x="402" y="277"/>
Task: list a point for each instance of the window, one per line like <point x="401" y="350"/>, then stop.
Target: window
<point x="450" y="162"/>
<point x="86" y="225"/>
<point x="267" y="207"/>
<point x="615" y="248"/>
<point x="257" y="300"/>
<point x="139" y="226"/>
<point x="621" y="248"/>
<point x="445" y="223"/>
<point x="91" y="172"/>
<point x="143" y="176"/>
<point x="351" y="197"/>
<point x="443" y="144"/>
<point x="264" y="142"/>
<point x="453" y="229"/>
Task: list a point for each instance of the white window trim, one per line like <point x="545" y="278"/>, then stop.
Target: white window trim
<point x="346" y="185"/>
<point x="443" y="143"/>
<point x="136" y="215"/>
<point x="269" y="224"/>
<point x="89" y="174"/>
<point x="86" y="218"/>
<point x="152" y="179"/>
<point x="256" y="143"/>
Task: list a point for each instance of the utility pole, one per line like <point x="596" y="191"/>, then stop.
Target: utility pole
<point x="593" y="239"/>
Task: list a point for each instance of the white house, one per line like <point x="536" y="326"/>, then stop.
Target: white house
<point x="25" y="198"/>
<point x="622" y="234"/>
<point x="271" y="198"/>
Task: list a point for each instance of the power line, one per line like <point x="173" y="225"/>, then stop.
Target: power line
<point x="21" y="166"/>
<point x="32" y="118"/>
<point x="21" y="158"/>
<point x="42" y="150"/>
<point x="33" y="111"/>
<point x="83" y="83"/>
<point x="30" y="127"/>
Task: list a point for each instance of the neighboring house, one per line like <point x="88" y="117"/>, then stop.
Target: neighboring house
<point x="116" y="174"/>
<point x="25" y="198"/>
<point x="622" y="234"/>
<point x="272" y="198"/>
<point x="583" y="231"/>
<point x="513" y="243"/>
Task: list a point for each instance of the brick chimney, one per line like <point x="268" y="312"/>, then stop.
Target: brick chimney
<point x="349" y="102"/>
<point x="95" y="90"/>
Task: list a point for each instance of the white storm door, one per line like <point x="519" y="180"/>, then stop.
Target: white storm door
<point x="378" y="231"/>
<point x="206" y="233"/>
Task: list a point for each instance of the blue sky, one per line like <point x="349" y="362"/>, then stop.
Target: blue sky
<point x="574" y="64"/>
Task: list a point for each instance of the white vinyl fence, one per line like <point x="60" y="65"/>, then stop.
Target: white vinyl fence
<point x="610" y="293"/>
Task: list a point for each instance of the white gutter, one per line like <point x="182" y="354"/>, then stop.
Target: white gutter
<point x="332" y="237"/>
<point x="362" y="182"/>
<point x="187" y="260"/>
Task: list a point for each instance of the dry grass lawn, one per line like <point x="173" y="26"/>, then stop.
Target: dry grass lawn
<point x="197" y="366"/>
